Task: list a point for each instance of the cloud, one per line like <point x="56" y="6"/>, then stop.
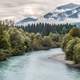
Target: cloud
<point x="19" y="8"/>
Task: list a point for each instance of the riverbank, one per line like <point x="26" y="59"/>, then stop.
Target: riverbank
<point x="61" y="58"/>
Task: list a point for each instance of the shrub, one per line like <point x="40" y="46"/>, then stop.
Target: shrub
<point x="54" y="37"/>
<point x="76" y="51"/>
<point x="37" y="43"/>
<point x="4" y="54"/>
<point x="75" y="32"/>
<point x="17" y="51"/>
<point x="17" y="38"/>
<point x="47" y="41"/>
<point x="65" y="40"/>
<point x="4" y="40"/>
<point x="27" y="43"/>
<point x="69" y="48"/>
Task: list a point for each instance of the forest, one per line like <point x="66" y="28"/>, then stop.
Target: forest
<point x="17" y="40"/>
<point x="46" y="28"/>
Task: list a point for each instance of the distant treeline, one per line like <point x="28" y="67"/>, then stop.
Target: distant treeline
<point x="45" y="28"/>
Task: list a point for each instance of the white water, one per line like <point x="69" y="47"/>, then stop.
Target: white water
<point x="37" y="66"/>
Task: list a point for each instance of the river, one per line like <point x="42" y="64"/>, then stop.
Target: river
<point x="37" y="66"/>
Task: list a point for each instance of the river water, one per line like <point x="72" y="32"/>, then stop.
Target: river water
<point x="37" y="66"/>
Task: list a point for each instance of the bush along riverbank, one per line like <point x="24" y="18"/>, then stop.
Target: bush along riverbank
<point x="15" y="41"/>
<point x="71" y="46"/>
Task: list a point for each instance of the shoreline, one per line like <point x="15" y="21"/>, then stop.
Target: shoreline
<point x="61" y="58"/>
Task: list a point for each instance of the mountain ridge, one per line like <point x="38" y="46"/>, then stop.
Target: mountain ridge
<point x="61" y="13"/>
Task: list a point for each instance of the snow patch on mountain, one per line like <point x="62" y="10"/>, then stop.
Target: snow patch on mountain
<point x="68" y="13"/>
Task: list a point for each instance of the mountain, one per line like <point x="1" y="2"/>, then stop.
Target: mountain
<point x="27" y="19"/>
<point x="68" y="13"/>
<point x="68" y="6"/>
<point x="64" y="12"/>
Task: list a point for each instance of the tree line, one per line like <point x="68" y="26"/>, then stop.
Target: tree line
<point x="46" y="28"/>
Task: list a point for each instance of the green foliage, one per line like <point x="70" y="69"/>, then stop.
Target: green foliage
<point x="37" y="42"/>
<point x="16" y="38"/>
<point x="75" y="32"/>
<point x="16" y="41"/>
<point x="54" y="37"/>
<point x="47" y="41"/>
<point x="65" y="40"/>
<point x="4" y="40"/>
<point x="27" y="43"/>
<point x="70" y="47"/>
<point x="4" y="54"/>
<point x="46" y="28"/>
<point x="76" y="51"/>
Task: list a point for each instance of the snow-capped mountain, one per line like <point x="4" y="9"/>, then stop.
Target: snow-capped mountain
<point x="64" y="12"/>
<point x="68" y="13"/>
<point x="27" y="20"/>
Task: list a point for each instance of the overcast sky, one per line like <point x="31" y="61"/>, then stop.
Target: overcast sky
<point x="18" y="8"/>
